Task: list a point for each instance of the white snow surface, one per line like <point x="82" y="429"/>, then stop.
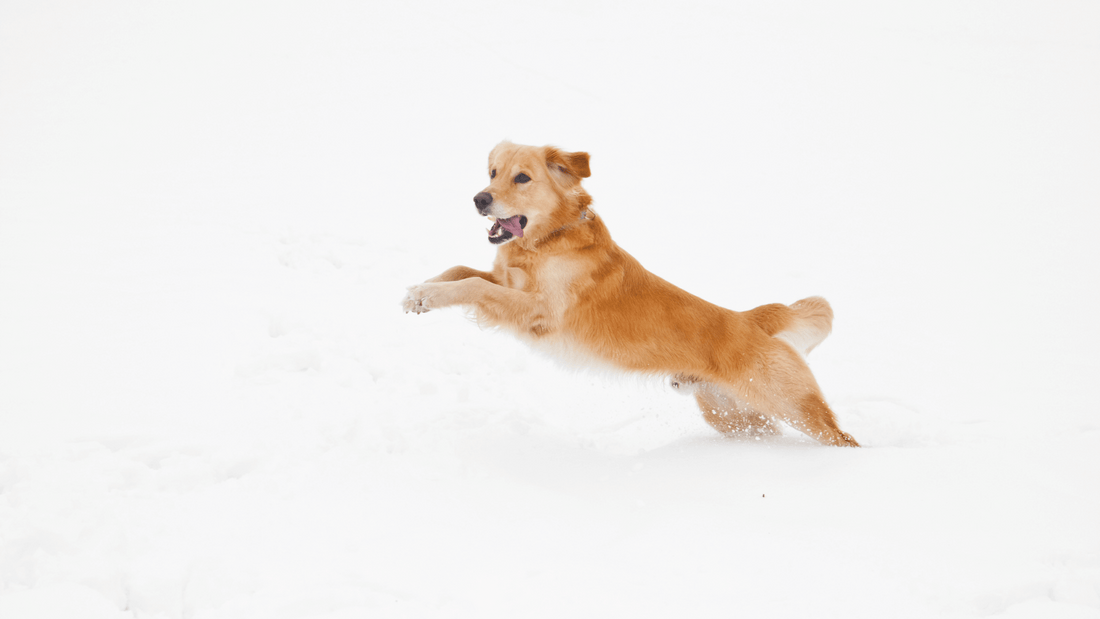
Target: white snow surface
<point x="213" y="407"/>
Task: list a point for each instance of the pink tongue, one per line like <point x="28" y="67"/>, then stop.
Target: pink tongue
<point x="512" y="225"/>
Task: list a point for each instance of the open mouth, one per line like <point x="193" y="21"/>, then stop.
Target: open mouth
<point x="504" y="230"/>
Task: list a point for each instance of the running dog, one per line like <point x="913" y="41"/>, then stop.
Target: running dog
<point x="561" y="284"/>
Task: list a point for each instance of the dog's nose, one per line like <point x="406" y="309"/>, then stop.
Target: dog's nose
<point x="482" y="201"/>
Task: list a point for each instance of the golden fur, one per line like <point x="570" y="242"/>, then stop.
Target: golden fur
<point x="564" y="286"/>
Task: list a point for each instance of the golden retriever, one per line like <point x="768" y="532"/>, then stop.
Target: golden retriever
<point x="561" y="284"/>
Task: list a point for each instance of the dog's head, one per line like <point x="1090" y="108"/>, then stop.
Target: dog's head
<point x="528" y="187"/>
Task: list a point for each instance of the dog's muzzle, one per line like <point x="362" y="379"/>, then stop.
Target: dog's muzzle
<point x="483" y="201"/>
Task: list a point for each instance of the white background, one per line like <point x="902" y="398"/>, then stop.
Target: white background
<point x="211" y="405"/>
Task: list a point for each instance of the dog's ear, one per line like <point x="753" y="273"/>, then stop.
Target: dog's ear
<point x="568" y="168"/>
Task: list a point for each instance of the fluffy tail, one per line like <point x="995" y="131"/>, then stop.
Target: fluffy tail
<point x="813" y="321"/>
<point x="803" y="324"/>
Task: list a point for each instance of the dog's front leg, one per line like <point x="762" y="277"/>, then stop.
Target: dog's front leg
<point x="433" y="293"/>
<point x="494" y="304"/>
<point x="458" y="273"/>
<point x="427" y="296"/>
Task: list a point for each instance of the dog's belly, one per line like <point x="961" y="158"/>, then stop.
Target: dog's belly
<point x="568" y="352"/>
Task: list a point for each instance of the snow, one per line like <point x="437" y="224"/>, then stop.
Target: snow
<point x="212" y="406"/>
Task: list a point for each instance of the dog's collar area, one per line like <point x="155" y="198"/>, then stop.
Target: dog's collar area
<point x="504" y="230"/>
<point x="586" y="215"/>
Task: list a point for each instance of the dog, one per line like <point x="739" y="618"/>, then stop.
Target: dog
<point x="562" y="285"/>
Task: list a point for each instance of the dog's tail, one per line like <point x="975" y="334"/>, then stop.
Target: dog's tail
<point x="804" y="324"/>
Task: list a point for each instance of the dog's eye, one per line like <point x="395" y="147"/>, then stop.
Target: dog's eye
<point x="493" y="175"/>
<point x="522" y="178"/>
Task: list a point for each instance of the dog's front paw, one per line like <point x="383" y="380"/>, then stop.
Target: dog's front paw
<point x="418" y="299"/>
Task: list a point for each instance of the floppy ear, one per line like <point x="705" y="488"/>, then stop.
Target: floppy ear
<point x="569" y="168"/>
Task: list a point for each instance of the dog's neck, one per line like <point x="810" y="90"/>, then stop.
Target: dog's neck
<point x="586" y="215"/>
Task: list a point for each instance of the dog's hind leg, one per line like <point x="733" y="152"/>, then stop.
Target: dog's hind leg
<point x="730" y="415"/>
<point x="815" y="418"/>
<point x="786" y="390"/>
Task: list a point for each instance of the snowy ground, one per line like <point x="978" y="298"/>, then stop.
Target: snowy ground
<point x="211" y="405"/>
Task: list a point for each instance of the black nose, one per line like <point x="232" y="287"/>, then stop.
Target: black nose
<point x="482" y="201"/>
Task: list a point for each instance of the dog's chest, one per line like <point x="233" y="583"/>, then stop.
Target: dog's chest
<point x="515" y="277"/>
<point x="548" y="278"/>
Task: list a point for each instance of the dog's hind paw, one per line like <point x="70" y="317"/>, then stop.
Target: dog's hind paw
<point x="683" y="383"/>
